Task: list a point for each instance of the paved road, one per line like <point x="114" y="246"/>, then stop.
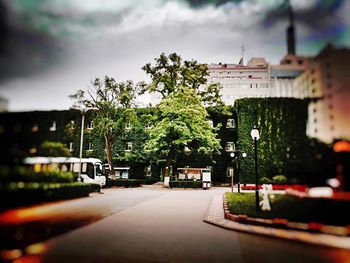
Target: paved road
<point x="167" y="226"/>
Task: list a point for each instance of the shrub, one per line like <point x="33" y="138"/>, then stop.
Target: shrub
<point x="279" y="179"/>
<point x="185" y="184"/>
<point x="320" y="210"/>
<point x="265" y="180"/>
<point x="21" y="193"/>
<point x="126" y="182"/>
<point x="24" y="174"/>
<point x="95" y="188"/>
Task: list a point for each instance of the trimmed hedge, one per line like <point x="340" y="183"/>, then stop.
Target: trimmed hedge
<point x="307" y="210"/>
<point x="185" y="184"/>
<point x="125" y="182"/>
<point x="23" y="174"/>
<point x="21" y="193"/>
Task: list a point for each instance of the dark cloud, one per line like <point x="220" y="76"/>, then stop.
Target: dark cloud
<point x="313" y="16"/>
<point x="24" y="50"/>
<point x="197" y="3"/>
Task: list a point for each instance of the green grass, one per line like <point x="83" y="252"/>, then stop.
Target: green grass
<point x="306" y="210"/>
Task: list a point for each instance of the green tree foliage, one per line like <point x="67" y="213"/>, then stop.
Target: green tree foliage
<point x="112" y="102"/>
<point x="170" y="73"/>
<point x="54" y="149"/>
<point x="182" y="122"/>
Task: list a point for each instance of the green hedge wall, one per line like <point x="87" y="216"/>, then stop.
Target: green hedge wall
<point x="185" y="184"/>
<point x="20" y="193"/>
<point x="283" y="140"/>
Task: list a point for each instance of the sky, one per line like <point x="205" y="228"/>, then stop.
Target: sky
<point x="51" y="48"/>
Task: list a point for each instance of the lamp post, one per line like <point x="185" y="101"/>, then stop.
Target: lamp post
<point x="233" y="154"/>
<point x="83" y="112"/>
<point x="256" y="136"/>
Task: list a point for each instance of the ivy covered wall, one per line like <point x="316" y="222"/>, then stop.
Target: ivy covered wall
<point x="283" y="148"/>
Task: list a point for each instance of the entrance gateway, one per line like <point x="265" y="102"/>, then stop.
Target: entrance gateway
<point x="195" y="174"/>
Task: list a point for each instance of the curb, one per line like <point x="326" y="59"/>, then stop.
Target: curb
<point x="217" y="216"/>
<point x="283" y="223"/>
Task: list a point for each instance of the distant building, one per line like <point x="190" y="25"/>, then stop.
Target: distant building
<point x="239" y="81"/>
<point x="327" y="80"/>
<point x="3" y="104"/>
<point x="284" y="74"/>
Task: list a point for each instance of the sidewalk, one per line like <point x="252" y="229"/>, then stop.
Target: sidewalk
<point x="215" y="215"/>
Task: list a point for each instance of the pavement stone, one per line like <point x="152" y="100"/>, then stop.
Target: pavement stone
<point x="215" y="215"/>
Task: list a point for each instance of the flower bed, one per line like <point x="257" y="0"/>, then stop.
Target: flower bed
<point x="314" y="211"/>
<point x="297" y="187"/>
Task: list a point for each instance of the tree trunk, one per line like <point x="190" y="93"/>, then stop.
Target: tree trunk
<point x="109" y="153"/>
<point x="168" y="162"/>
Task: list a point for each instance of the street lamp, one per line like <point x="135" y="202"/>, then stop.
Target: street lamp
<point x="256" y="136"/>
<point x="233" y="154"/>
<point x="83" y="112"/>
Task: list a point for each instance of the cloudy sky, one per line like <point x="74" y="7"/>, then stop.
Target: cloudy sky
<point x="51" y="48"/>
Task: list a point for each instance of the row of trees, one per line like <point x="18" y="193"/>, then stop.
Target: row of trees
<point x="181" y="119"/>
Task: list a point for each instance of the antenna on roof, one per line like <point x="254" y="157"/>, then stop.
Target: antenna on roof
<point x="242" y="55"/>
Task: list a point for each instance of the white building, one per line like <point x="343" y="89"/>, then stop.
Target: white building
<point x="239" y="81"/>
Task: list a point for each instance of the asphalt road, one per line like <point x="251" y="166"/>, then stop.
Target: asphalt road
<point x="155" y="225"/>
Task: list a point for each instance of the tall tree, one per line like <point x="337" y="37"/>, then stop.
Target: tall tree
<point x="169" y="73"/>
<point x="108" y="98"/>
<point x="182" y="122"/>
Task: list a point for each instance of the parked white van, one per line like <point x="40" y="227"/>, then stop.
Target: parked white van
<point x="92" y="169"/>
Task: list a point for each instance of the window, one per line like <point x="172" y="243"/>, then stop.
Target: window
<point x="35" y="127"/>
<point x="128" y="125"/>
<point x="148" y="126"/>
<point x="90" y="145"/>
<point x="128" y="146"/>
<point x="90" y="125"/>
<point x="230" y="146"/>
<point x="53" y="126"/>
<point x="71" y="147"/>
<point x="230" y="123"/>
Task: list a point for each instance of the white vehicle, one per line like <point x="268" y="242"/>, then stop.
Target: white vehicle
<point x="92" y="169"/>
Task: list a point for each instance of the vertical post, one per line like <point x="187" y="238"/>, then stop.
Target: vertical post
<point x="238" y="183"/>
<point x="81" y="144"/>
<point x="256" y="176"/>
<point x="232" y="181"/>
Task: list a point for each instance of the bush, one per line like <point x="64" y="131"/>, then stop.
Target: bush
<point x="185" y="184"/>
<point x="21" y="193"/>
<point x="279" y="179"/>
<point x="265" y="180"/>
<point x="95" y="188"/>
<point x="126" y="182"/>
<point x="320" y="210"/>
<point x="24" y="174"/>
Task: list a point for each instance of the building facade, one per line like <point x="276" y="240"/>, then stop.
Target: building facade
<point x="240" y="81"/>
<point x="327" y="82"/>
